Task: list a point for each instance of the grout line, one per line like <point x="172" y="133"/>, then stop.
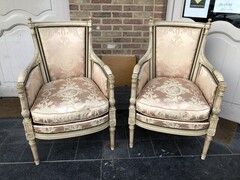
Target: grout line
<point x="76" y="151"/>
<point x="152" y="144"/>
<point x="23" y="152"/>
<point x="101" y="171"/>
<point x="50" y="151"/>
<point x="178" y="147"/>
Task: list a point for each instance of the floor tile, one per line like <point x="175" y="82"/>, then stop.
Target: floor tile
<point x="89" y="170"/>
<point x="120" y="133"/>
<point x="142" y="148"/>
<point x="89" y="150"/>
<point x="189" y="146"/>
<point x="226" y="167"/>
<point x="122" y="117"/>
<point x="235" y="145"/>
<point x="215" y="147"/>
<point x="140" y="133"/>
<point x="43" y="152"/>
<point x="63" y="151"/>
<point x="120" y="151"/>
<point x="11" y="152"/>
<point x="165" y="147"/>
<point x="98" y="136"/>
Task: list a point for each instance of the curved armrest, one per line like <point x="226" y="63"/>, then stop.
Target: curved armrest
<point x="211" y="83"/>
<point x="102" y="76"/>
<point x="29" y="83"/>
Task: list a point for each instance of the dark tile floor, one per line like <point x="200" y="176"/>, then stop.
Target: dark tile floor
<point x="154" y="156"/>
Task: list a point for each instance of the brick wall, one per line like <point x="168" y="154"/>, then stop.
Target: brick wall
<point x="119" y="26"/>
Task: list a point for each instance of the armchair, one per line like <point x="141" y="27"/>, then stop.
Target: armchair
<point x="67" y="91"/>
<point x="175" y="90"/>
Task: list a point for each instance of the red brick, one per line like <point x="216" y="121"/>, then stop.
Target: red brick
<point x="103" y="51"/>
<point x="101" y="1"/>
<point x="146" y="14"/>
<point x="112" y="21"/>
<point x="133" y="8"/>
<point x="144" y="1"/>
<point x="159" y="8"/>
<point x="132" y="34"/>
<point x="96" y="21"/>
<point x="132" y="21"/>
<point x="90" y="7"/>
<point x="111" y="34"/>
<point x="160" y="2"/>
<point x="141" y="28"/>
<point x="121" y="14"/>
<point x="131" y="46"/>
<point x="139" y="51"/>
<point x="121" y="39"/>
<point x="122" y="1"/>
<point x="101" y="14"/>
<point x="122" y="27"/>
<point x="145" y="34"/>
<point x="96" y="33"/>
<point x="73" y="7"/>
<point x="140" y="40"/>
<point x="148" y="8"/>
<point x="122" y="51"/>
<point x="97" y="45"/>
<point x="102" y="27"/>
<point x="111" y="7"/>
<point x="79" y="1"/>
<point x="79" y="14"/>
<point x="114" y="45"/>
<point x="101" y="40"/>
<point x="158" y="15"/>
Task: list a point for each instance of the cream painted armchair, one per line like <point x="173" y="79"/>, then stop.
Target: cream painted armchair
<point x="174" y="88"/>
<point x="67" y="91"/>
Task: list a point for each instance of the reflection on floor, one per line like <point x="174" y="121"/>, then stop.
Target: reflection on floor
<point x="154" y="156"/>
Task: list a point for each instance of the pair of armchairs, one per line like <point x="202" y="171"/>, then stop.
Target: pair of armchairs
<point x="67" y="91"/>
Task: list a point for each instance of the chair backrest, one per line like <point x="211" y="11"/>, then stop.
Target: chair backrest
<point x="63" y="47"/>
<point x="175" y="48"/>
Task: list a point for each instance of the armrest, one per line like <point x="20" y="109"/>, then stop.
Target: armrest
<point x="211" y="83"/>
<point x="102" y="76"/>
<point x="29" y="83"/>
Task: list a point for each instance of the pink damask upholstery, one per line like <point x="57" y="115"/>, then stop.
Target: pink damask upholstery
<point x="175" y="50"/>
<point x="70" y="127"/>
<point x="68" y="100"/>
<point x="66" y="91"/>
<point x="172" y="98"/>
<point x="64" y="50"/>
<point x="175" y="90"/>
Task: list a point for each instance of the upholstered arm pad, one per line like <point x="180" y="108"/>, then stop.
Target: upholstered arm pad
<point x="102" y="76"/>
<point x="210" y="81"/>
<point x="29" y="83"/>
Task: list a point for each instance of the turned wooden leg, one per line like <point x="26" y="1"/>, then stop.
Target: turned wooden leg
<point x="112" y="137"/>
<point x="131" y="135"/>
<point x="33" y="146"/>
<point x="206" y="146"/>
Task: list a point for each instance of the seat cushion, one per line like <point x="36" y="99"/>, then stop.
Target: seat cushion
<point x="69" y="100"/>
<point x="59" y="128"/>
<point x="173" y="98"/>
<point x="173" y="123"/>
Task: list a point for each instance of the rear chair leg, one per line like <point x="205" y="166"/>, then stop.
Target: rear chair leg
<point x="206" y="146"/>
<point x="33" y="146"/>
<point x="131" y="135"/>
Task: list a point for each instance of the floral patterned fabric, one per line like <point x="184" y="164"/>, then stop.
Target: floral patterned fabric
<point x="64" y="50"/>
<point x="175" y="51"/>
<point x="69" y="100"/>
<point x="33" y="85"/>
<point x="172" y="123"/>
<point x="70" y="127"/>
<point x="173" y="98"/>
<point x="143" y="77"/>
<point x="207" y="84"/>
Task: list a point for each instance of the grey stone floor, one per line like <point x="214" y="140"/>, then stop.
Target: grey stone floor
<point x="154" y="155"/>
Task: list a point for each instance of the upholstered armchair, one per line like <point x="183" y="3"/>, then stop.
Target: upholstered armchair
<point x="174" y="88"/>
<point x="67" y="91"/>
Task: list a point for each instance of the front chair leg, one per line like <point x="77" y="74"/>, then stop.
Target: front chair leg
<point x="206" y="146"/>
<point x="33" y="146"/>
<point x="131" y="135"/>
<point x="112" y="137"/>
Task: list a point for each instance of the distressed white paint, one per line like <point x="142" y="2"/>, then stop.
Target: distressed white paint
<point x="223" y="51"/>
<point x="16" y="46"/>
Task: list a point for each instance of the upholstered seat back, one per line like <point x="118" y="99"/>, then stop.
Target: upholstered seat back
<point x="176" y="48"/>
<point x="63" y="50"/>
